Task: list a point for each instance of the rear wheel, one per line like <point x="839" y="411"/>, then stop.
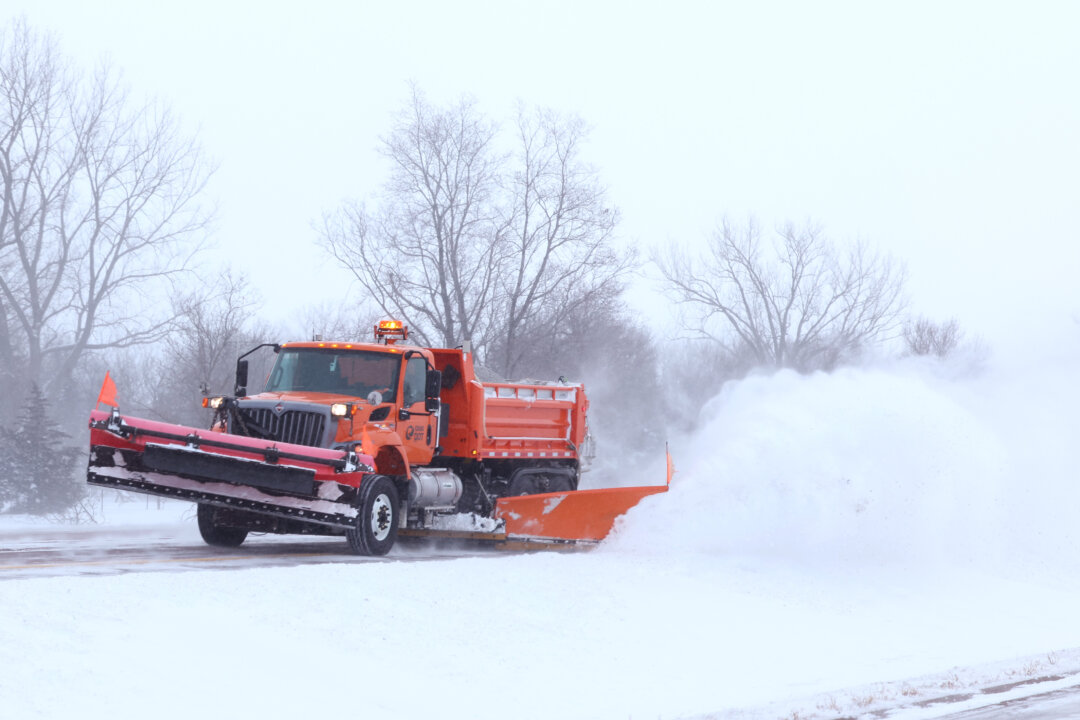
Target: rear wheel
<point x="376" y="526"/>
<point x="536" y="483"/>
<point x="559" y="483"/>
<point x="215" y="534"/>
<point x="524" y="484"/>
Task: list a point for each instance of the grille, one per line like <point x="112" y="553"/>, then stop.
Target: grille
<point x="292" y="426"/>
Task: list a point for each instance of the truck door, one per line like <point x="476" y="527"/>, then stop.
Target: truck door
<point x="419" y="431"/>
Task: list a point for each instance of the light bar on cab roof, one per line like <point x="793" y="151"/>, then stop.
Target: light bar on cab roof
<point x="387" y="329"/>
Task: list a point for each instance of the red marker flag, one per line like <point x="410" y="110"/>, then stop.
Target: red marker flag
<point x="108" y="392"/>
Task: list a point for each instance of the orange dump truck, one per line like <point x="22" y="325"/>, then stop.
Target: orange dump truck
<point x="372" y="440"/>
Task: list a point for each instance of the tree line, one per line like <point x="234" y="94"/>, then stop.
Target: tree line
<point x="501" y="237"/>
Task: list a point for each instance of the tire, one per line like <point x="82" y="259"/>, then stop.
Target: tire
<point x="558" y="483"/>
<point x="525" y="484"/>
<point x="217" y="535"/>
<point x="375" y="530"/>
<point x="537" y="483"/>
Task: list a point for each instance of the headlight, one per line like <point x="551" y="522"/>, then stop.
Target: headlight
<point x="214" y="403"/>
<point x="340" y="410"/>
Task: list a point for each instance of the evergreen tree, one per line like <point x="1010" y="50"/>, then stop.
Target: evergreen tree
<point x="37" y="462"/>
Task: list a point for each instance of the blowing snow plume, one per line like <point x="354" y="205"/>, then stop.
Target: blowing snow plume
<point x="898" y="465"/>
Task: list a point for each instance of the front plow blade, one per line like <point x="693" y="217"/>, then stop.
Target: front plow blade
<point x="263" y="476"/>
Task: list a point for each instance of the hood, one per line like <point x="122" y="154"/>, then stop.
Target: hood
<point x="312" y="398"/>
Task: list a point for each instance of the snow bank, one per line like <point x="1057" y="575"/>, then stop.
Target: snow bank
<point x="111" y="510"/>
<point x="593" y="635"/>
<point x="905" y="464"/>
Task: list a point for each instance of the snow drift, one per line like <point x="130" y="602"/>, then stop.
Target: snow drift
<point x="904" y="464"/>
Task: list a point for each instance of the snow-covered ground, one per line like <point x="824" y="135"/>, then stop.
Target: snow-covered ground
<point x="831" y="545"/>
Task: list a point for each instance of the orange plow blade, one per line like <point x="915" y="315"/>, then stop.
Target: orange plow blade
<point x="576" y="515"/>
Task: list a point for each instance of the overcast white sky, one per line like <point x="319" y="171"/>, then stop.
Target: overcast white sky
<point x="945" y="133"/>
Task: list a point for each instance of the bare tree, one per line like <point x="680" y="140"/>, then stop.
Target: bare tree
<point x="10" y="360"/>
<point x="430" y="254"/>
<point x="99" y="209"/>
<point x="799" y="302"/>
<point x="352" y="320"/>
<point x="923" y="336"/>
<point x="559" y="252"/>
<point x="472" y="245"/>
<point x="198" y="358"/>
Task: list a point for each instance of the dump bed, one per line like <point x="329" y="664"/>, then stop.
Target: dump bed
<point x="489" y="420"/>
<point x="532" y="420"/>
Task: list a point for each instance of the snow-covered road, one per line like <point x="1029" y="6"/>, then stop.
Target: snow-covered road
<point x="1047" y="701"/>
<point x="48" y="552"/>
<point x="603" y="634"/>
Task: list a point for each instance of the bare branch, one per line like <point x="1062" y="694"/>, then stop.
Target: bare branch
<point x="802" y="305"/>
<point x="559" y="231"/>
<point x="922" y="336"/>
<point x="466" y="244"/>
<point x="428" y="255"/>
<point x="100" y="204"/>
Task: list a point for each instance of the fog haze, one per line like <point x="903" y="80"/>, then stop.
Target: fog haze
<point x="943" y="133"/>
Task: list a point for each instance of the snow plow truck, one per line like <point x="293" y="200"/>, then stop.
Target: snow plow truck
<point x="371" y="441"/>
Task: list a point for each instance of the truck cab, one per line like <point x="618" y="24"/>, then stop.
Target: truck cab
<point x="380" y="399"/>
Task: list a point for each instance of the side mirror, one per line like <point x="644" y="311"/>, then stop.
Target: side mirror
<point x="241" y="378"/>
<point x="432" y="390"/>
<point x="434" y="383"/>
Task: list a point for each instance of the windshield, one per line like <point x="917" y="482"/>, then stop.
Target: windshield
<point x="355" y="373"/>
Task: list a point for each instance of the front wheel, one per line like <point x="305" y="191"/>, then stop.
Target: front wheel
<point x="215" y="534"/>
<point x="376" y="526"/>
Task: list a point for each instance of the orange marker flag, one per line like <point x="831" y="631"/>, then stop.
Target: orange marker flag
<point x="108" y="392"/>
<point x="670" y="466"/>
